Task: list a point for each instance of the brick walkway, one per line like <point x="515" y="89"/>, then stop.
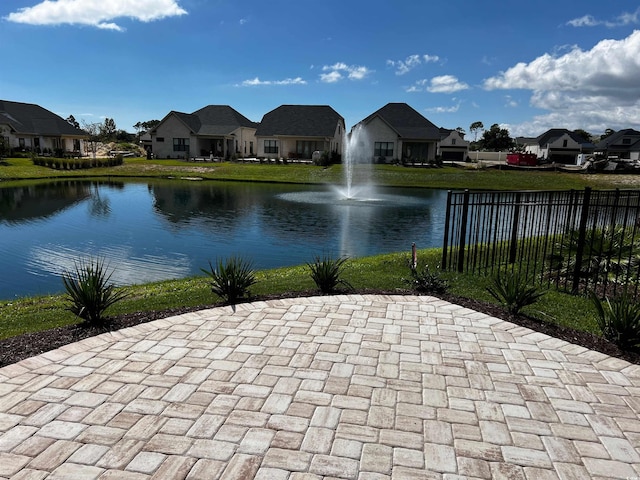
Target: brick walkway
<point x="356" y="387"/>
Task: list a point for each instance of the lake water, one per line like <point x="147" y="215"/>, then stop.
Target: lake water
<point x="162" y="229"/>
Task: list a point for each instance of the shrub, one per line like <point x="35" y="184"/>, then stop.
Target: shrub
<point x="89" y="291"/>
<point x="619" y="320"/>
<point x="231" y="279"/>
<point x="326" y="273"/>
<point x="426" y="281"/>
<point x="610" y="254"/>
<point x="514" y="291"/>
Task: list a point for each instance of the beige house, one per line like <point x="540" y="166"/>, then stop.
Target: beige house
<point x="26" y="127"/>
<point x="452" y="146"/>
<point x="296" y="131"/>
<point x="397" y="132"/>
<point x="559" y="145"/>
<point x="216" y="131"/>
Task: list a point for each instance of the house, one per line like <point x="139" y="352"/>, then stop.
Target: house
<point x="624" y="144"/>
<point x="559" y="145"/>
<point x="27" y="127"/>
<point x="296" y="131"/>
<point x="452" y="146"/>
<point x="214" y="130"/>
<point x="397" y="131"/>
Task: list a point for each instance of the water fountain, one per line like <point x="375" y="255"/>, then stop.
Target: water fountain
<point x="357" y="151"/>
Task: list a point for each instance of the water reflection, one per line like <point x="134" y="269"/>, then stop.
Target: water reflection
<point x="161" y="230"/>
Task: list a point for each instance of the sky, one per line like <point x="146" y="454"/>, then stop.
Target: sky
<point x="526" y="66"/>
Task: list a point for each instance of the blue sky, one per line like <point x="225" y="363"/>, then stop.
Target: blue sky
<point x="528" y="66"/>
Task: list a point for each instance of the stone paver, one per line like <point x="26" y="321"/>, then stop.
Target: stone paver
<point x="340" y="387"/>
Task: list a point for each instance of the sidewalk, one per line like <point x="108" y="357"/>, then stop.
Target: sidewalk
<point x="344" y="387"/>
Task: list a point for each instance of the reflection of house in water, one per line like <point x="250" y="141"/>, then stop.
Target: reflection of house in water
<point x="33" y="202"/>
<point x="211" y="204"/>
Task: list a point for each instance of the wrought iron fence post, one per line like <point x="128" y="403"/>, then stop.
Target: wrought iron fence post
<point x="582" y="232"/>
<point x="513" y="247"/>
<point x="463" y="232"/>
<point x="445" y="241"/>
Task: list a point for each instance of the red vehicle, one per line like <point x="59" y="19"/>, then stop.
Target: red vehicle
<point x="522" y="159"/>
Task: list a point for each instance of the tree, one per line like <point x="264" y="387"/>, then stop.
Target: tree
<point x="607" y="133"/>
<point x="144" y="127"/>
<point x="475" y="128"/>
<point x="583" y="133"/>
<point x="461" y="131"/>
<point x="94" y="131"/>
<point x="71" y="120"/>
<point x="496" y="139"/>
<point x="108" y="129"/>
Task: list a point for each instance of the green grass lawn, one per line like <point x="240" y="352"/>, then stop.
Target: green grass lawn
<point x="384" y="272"/>
<point x="447" y="177"/>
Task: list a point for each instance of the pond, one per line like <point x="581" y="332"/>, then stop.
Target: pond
<point x="160" y="230"/>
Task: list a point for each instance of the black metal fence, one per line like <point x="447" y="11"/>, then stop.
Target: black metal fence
<point x="575" y="240"/>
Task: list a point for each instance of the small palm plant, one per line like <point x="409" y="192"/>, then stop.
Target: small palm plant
<point x="514" y="291"/>
<point x="426" y="280"/>
<point x="619" y="320"/>
<point x="326" y="272"/>
<point x="231" y="279"/>
<point x="89" y="290"/>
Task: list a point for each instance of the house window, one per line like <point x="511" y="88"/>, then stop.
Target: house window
<point x="564" y="144"/>
<point x="21" y="143"/>
<point x="250" y="148"/>
<point x="245" y="148"/>
<point x="180" y="144"/>
<point x="237" y="150"/>
<point x="270" y="146"/>
<point x="159" y="139"/>
<point x="453" y="141"/>
<point x="626" y="141"/>
<point x="383" y="149"/>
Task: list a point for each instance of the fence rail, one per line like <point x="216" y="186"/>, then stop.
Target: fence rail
<point x="575" y="240"/>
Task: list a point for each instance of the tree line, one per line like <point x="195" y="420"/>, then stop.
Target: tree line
<point x="108" y="132"/>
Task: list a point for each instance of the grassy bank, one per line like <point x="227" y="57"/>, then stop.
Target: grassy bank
<point x="448" y="177"/>
<point x="377" y="273"/>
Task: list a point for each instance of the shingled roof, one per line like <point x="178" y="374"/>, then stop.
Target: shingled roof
<point x="614" y="141"/>
<point x="554" y="133"/>
<point x="214" y="120"/>
<point x="31" y="119"/>
<point x="407" y="122"/>
<point x="300" y="121"/>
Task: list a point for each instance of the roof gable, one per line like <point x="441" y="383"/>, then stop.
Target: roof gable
<point x="300" y="121"/>
<point x="616" y="140"/>
<point x="553" y="134"/>
<point x="212" y="120"/>
<point x="406" y="121"/>
<point x="32" y="119"/>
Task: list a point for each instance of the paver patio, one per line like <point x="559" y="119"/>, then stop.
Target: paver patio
<point x="341" y="387"/>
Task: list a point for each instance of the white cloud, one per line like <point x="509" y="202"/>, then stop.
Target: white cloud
<point x="451" y="109"/>
<point x="622" y="20"/>
<point x="440" y="84"/>
<point x="409" y="63"/>
<point x="584" y="21"/>
<point x="593" y="89"/>
<point x="95" y="13"/>
<point x="287" y="81"/>
<point x="339" y="70"/>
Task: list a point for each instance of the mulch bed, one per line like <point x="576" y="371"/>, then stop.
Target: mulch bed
<point x="17" y="348"/>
